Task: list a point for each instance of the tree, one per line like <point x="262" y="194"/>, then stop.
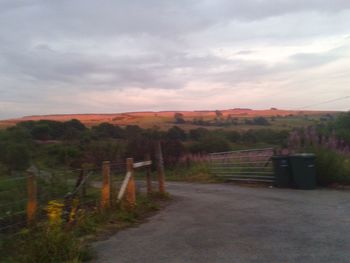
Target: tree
<point x="343" y="121"/>
<point x="44" y="129"/>
<point x="16" y="157"/>
<point x="248" y="122"/>
<point x="107" y="150"/>
<point x="138" y="146"/>
<point x="179" y="118"/>
<point x="75" y="124"/>
<point x="41" y="132"/>
<point x="231" y="121"/>
<point x="132" y="131"/>
<point x="260" y="121"/>
<point x="107" y="130"/>
<point x="219" y="120"/>
<point x="249" y="137"/>
<point x="176" y="133"/>
<point x="197" y="134"/>
<point x="209" y="144"/>
<point x="218" y="114"/>
<point x="342" y="126"/>
<point x="172" y="151"/>
<point x="233" y="136"/>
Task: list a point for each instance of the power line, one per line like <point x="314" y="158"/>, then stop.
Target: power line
<point x="325" y="102"/>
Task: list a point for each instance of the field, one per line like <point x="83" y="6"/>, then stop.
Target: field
<point x="279" y="119"/>
<point x="66" y="156"/>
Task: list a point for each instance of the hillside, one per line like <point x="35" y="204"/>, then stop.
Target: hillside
<point x="165" y="119"/>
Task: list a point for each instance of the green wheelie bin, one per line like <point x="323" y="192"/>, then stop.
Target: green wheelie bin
<point x="282" y="171"/>
<point x="303" y="170"/>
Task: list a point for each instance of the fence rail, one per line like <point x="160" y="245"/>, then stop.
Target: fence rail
<point x="244" y="165"/>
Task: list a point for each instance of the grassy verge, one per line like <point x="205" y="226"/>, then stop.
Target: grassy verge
<point x="50" y="243"/>
<point x="195" y="173"/>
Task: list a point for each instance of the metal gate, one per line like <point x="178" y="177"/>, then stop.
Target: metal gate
<point x="245" y="165"/>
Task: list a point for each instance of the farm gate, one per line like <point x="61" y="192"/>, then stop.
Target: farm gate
<point x="244" y="165"/>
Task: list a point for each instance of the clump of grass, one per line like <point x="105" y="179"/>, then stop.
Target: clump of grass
<point x="54" y="243"/>
<point x="193" y="173"/>
<point x="44" y="244"/>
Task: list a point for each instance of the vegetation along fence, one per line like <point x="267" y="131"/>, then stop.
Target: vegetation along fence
<point x="244" y="165"/>
<point x="42" y="195"/>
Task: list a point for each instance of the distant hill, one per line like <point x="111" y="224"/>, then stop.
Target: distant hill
<point x="151" y="118"/>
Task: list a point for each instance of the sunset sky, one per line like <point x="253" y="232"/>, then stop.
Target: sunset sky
<point x="84" y="56"/>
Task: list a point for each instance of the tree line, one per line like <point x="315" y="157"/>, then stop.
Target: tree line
<point x="72" y="144"/>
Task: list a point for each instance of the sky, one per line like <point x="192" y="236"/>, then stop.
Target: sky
<point x="88" y="56"/>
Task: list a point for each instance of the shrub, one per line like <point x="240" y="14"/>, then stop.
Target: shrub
<point x="332" y="154"/>
<point x="260" y="121"/>
<point x="41" y="132"/>
<point x="176" y="133"/>
<point x="15" y="157"/>
<point x="331" y="167"/>
<point x="198" y="133"/>
<point x="68" y="155"/>
<point x="46" y="245"/>
<point x="210" y="144"/>
<point x="179" y="118"/>
<point x="107" y="130"/>
<point x="172" y="151"/>
<point x="98" y="151"/>
<point x="234" y="136"/>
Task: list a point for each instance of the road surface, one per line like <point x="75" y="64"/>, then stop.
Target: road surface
<point x="229" y="223"/>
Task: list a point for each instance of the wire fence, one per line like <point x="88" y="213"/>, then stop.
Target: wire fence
<point x="13" y="200"/>
<point x="37" y="196"/>
<point x="65" y="192"/>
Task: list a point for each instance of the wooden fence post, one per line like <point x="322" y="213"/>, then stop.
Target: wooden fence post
<point x="81" y="177"/>
<point x="148" y="175"/>
<point x="105" y="197"/>
<point x="32" y="202"/>
<point x="131" y="189"/>
<point x="160" y="167"/>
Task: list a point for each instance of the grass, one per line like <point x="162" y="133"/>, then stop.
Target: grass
<point x="195" y="173"/>
<point x="13" y="201"/>
<point x="50" y="186"/>
<point x="49" y="243"/>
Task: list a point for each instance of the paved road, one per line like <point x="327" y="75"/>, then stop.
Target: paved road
<point x="228" y="223"/>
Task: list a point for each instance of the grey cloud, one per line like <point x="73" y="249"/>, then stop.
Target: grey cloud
<point x="153" y="70"/>
<point x="245" y="52"/>
<point x="242" y="71"/>
<point x="260" y="9"/>
<point x="163" y="18"/>
<point x="309" y="60"/>
<point x="52" y="48"/>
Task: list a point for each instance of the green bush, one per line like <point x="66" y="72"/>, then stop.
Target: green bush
<point x="45" y="245"/>
<point x="15" y="157"/>
<point x="331" y="167"/>
<point x="210" y="144"/>
<point x="107" y="130"/>
<point x="176" y="133"/>
<point x="64" y="154"/>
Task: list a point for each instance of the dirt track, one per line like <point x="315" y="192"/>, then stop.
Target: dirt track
<point x="228" y="223"/>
